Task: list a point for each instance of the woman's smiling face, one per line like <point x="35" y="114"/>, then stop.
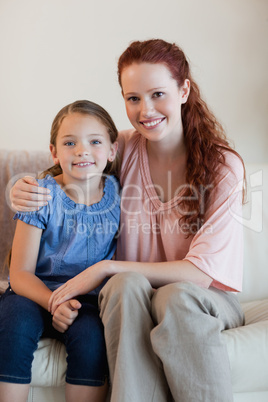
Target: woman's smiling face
<point x="153" y="100"/>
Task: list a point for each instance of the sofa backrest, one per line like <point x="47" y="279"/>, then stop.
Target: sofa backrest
<point x="16" y="164"/>
<point x="13" y="165"/>
<point x="255" y="223"/>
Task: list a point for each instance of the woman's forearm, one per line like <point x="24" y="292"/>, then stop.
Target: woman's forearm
<point x="158" y="274"/>
<point x="161" y="273"/>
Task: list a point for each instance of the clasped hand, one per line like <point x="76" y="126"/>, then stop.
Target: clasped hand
<point x="62" y="303"/>
<point x="65" y="314"/>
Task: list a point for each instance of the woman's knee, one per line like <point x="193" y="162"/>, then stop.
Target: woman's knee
<point x="176" y="298"/>
<point x="175" y="293"/>
<point x="127" y="280"/>
<point x="125" y="289"/>
<point x="127" y="283"/>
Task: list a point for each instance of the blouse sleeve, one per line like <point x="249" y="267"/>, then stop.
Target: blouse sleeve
<point x="217" y="248"/>
<point x="35" y="218"/>
<point x="38" y="218"/>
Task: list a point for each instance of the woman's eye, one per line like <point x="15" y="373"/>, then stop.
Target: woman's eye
<point x="133" y="99"/>
<point x="158" y="94"/>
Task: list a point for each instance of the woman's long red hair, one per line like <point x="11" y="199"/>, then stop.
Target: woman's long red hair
<point x="205" y="138"/>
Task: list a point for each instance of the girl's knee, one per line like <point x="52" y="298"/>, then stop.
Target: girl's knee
<point x="21" y="326"/>
<point x="86" y="349"/>
<point x="20" y="314"/>
<point x="86" y="355"/>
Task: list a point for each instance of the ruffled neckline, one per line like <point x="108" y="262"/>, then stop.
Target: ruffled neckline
<point x="109" y="199"/>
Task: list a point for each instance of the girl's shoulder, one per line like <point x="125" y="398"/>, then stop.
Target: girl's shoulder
<point x="49" y="182"/>
<point x="41" y="216"/>
<point x="56" y="192"/>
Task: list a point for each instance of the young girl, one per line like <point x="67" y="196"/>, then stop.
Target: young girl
<point x="73" y="232"/>
<point x="182" y="188"/>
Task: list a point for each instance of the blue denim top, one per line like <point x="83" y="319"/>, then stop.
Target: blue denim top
<point x="75" y="236"/>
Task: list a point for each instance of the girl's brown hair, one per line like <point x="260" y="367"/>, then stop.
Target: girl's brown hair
<point x="91" y="109"/>
<point x="204" y="136"/>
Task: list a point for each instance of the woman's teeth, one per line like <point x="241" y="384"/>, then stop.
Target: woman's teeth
<point x="152" y="123"/>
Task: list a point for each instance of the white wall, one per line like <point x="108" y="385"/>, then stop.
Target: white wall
<point x="56" y="51"/>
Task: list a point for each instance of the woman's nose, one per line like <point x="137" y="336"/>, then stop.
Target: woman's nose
<point x="147" y="109"/>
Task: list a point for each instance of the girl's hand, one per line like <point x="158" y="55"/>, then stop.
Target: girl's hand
<point x="26" y="195"/>
<point x="81" y="284"/>
<point x="65" y="315"/>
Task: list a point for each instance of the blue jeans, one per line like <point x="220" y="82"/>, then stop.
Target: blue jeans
<point x="23" y="323"/>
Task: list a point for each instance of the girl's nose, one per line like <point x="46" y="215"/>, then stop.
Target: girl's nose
<point x="82" y="151"/>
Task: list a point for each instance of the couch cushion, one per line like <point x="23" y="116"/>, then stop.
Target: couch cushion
<point x="248" y="349"/>
<point x="49" y="365"/>
<point x="3" y="285"/>
<point x="255" y="223"/>
<point x="248" y="354"/>
<point x="255" y="311"/>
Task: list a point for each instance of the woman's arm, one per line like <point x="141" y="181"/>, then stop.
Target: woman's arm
<point x="26" y="195"/>
<point x="162" y="273"/>
<point x="25" y="250"/>
<point x="158" y="274"/>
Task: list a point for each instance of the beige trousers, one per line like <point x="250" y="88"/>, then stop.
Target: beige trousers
<point x="167" y="345"/>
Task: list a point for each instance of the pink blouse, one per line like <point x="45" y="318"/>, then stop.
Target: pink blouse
<point x="150" y="230"/>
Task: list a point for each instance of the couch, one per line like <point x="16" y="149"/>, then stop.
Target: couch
<point x="247" y="345"/>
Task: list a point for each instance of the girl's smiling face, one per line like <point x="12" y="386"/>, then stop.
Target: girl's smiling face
<point x="83" y="147"/>
<point x="153" y="101"/>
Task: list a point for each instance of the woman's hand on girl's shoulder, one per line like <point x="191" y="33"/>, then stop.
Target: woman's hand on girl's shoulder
<point x="26" y="195"/>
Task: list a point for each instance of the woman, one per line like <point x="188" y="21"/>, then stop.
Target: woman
<point x="179" y="253"/>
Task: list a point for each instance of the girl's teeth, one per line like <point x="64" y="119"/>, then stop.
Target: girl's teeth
<point x="152" y="123"/>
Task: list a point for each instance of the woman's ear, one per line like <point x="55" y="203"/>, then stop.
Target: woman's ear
<point x="113" y="151"/>
<point x="185" y="91"/>
<point x="54" y="154"/>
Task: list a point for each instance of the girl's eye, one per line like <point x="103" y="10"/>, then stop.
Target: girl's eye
<point x="158" y="94"/>
<point x="69" y="143"/>
<point x="95" y="142"/>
